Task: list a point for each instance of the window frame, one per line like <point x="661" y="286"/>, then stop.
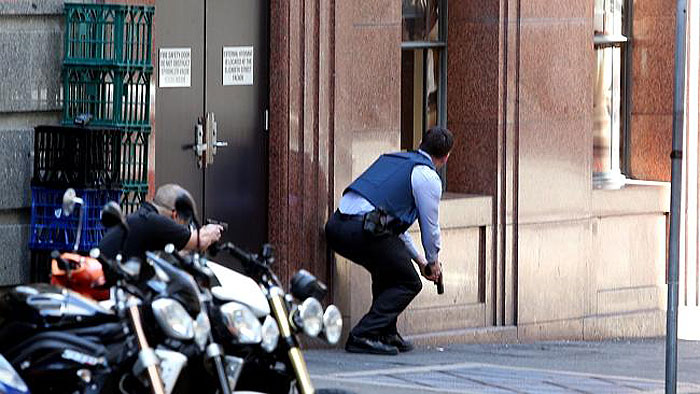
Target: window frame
<point x="623" y="41"/>
<point x="441" y="46"/>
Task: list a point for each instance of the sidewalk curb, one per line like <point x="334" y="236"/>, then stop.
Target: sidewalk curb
<point x="502" y="334"/>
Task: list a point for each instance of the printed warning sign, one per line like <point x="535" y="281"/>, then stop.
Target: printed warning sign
<point x="174" y="67"/>
<point x="238" y="66"/>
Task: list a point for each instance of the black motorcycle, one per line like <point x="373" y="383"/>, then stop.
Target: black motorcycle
<point x="62" y="342"/>
<point x="255" y="320"/>
<point x="178" y="318"/>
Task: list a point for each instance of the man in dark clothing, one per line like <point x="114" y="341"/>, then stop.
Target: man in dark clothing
<point x="369" y="228"/>
<point x="156" y="224"/>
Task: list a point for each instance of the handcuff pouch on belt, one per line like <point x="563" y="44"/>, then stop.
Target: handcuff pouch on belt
<point x="379" y="223"/>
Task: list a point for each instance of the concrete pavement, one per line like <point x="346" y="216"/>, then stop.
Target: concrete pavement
<point x="627" y="366"/>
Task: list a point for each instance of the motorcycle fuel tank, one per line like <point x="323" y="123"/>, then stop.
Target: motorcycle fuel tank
<point x="50" y="306"/>
<point x="239" y="288"/>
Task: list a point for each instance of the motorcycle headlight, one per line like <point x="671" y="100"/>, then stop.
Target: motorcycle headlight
<point x="173" y="319"/>
<point x="202" y="327"/>
<point x="311" y="315"/>
<point x="10" y="377"/>
<point x="241" y="323"/>
<point x="270" y="334"/>
<point x="332" y="324"/>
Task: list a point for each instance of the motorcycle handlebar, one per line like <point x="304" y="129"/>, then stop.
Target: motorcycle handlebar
<point x="109" y="268"/>
<point x="62" y="263"/>
<point x="239" y="253"/>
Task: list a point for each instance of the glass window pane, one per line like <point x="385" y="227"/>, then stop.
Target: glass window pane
<point x="420" y="93"/>
<point x="411" y="97"/>
<point x="432" y="86"/>
<point x="419" y="20"/>
<point x="598" y="16"/>
<point x="616" y="105"/>
<point x="607" y="17"/>
<point x="606" y="110"/>
<point x="616" y="17"/>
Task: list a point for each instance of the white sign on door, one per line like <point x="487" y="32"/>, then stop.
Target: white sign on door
<point x="238" y="66"/>
<point x="175" y="67"/>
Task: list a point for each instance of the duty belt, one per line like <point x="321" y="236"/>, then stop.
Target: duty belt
<point x="346" y="217"/>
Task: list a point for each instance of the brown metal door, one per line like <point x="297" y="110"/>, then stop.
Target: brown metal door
<point x="179" y="27"/>
<point x="229" y="83"/>
<point x="236" y="92"/>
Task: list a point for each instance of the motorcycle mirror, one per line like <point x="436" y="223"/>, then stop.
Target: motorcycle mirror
<point x="70" y="199"/>
<point x="268" y="254"/>
<point x="304" y="285"/>
<point x="111" y="215"/>
<point x="185" y="207"/>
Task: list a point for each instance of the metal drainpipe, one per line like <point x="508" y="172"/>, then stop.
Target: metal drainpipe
<point x="676" y="180"/>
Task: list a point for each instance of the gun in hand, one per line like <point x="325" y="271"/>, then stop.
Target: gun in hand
<point x="438" y="284"/>
<point x="220" y="223"/>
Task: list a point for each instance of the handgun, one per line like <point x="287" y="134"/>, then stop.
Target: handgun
<point x="440" y="286"/>
<point x="220" y="223"/>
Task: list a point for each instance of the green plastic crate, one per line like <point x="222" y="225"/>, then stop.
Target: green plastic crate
<point x="132" y="197"/>
<point x="116" y="97"/>
<point x="108" y="34"/>
<point x="134" y="158"/>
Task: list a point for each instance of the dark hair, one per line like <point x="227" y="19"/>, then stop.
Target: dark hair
<point x="437" y="141"/>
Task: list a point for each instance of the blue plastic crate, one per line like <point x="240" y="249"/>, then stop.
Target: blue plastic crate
<point x="50" y="229"/>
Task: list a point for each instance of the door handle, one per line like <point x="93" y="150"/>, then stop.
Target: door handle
<point x="199" y="146"/>
<point x="212" y="134"/>
<point x="205" y="141"/>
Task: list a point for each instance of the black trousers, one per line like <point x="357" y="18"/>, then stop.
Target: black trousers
<point x="395" y="283"/>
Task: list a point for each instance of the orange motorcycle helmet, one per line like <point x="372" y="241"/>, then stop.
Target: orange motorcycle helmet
<point x="85" y="277"/>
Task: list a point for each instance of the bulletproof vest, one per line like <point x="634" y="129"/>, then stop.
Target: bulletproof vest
<point x="387" y="184"/>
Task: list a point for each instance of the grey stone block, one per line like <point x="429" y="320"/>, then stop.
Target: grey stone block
<point x="31" y="53"/>
<point x="31" y="7"/>
<point x="16" y="160"/>
<point x="15" y="263"/>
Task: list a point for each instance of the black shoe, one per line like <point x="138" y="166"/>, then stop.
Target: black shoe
<point x="398" y="341"/>
<point x="368" y="345"/>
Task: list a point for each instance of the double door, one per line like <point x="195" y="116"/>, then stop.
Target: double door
<point x="211" y="82"/>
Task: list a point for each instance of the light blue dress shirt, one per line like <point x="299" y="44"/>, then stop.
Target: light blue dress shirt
<point x="427" y="191"/>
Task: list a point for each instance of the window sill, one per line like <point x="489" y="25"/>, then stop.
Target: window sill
<point x="635" y="197"/>
<point x="462" y="210"/>
<point x="465" y="210"/>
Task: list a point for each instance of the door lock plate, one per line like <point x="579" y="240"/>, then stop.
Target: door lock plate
<point x="206" y="140"/>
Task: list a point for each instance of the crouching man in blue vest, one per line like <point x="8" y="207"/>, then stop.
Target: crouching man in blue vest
<point x="369" y="228"/>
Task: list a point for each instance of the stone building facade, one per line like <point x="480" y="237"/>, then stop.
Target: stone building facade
<point x="31" y="42"/>
<point x="532" y="248"/>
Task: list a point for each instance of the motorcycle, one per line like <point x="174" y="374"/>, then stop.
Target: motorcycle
<point x="60" y="341"/>
<point x="175" y="306"/>
<point x="252" y="312"/>
<point x="176" y="317"/>
<point x="208" y="356"/>
<point x="10" y="381"/>
<point x="280" y="367"/>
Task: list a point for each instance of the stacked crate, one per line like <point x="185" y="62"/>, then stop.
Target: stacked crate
<point x="86" y="159"/>
<point x="101" y="148"/>
<point x="107" y="75"/>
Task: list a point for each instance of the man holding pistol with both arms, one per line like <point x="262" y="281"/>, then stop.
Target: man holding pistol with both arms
<point x="370" y="228"/>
